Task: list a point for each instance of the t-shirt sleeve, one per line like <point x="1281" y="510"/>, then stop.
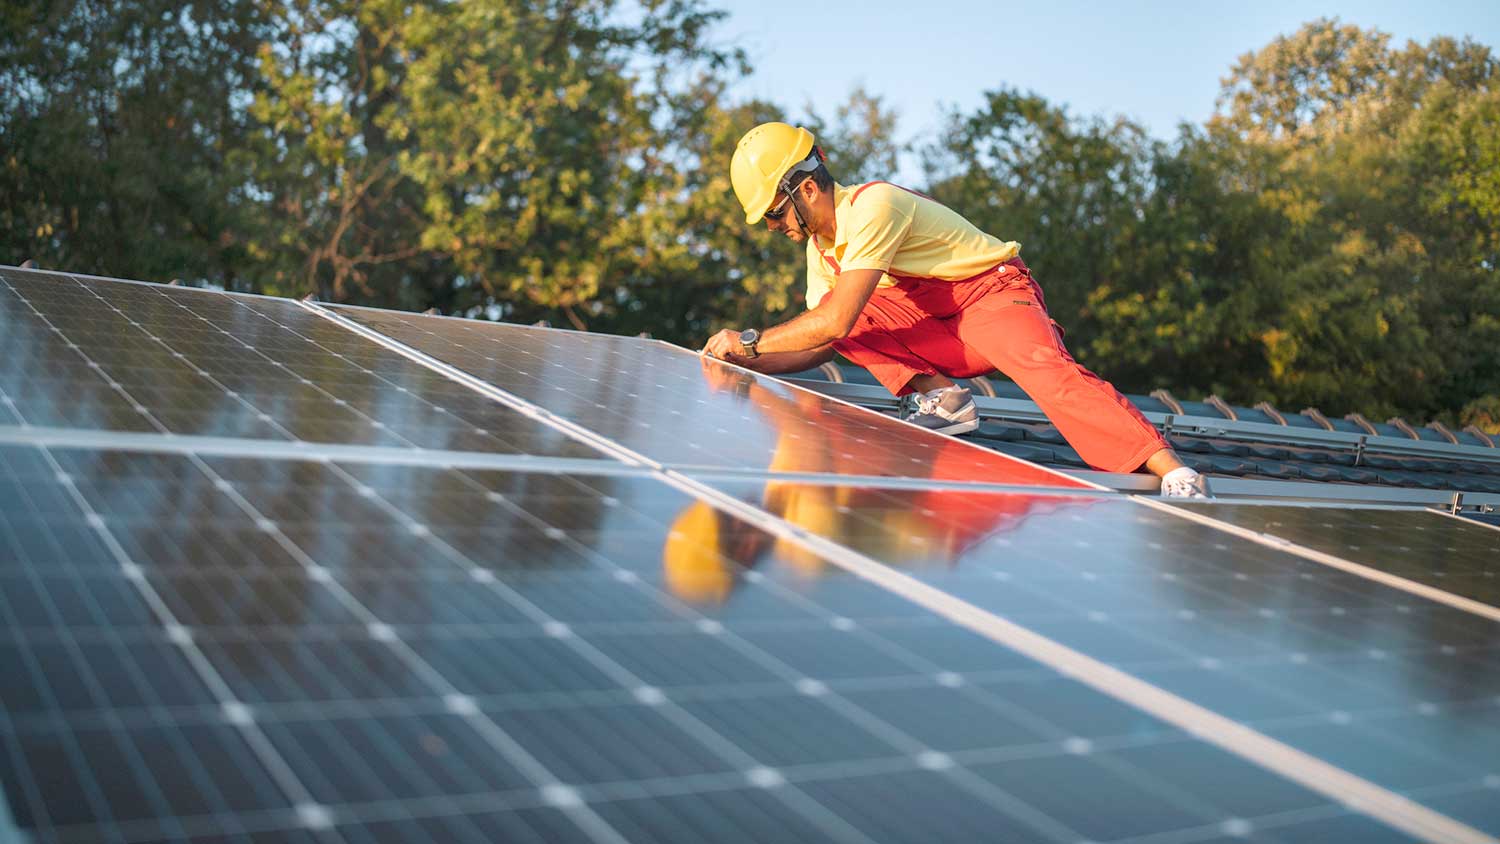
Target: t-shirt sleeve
<point x="819" y="277"/>
<point x="879" y="221"/>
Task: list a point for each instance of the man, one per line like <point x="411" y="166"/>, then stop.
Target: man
<point x="916" y="294"/>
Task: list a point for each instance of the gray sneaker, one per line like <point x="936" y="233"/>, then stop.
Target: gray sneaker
<point x="946" y="410"/>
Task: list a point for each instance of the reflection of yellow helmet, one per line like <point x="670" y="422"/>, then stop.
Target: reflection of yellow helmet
<point x="695" y="570"/>
<point x="812" y="508"/>
<point x="905" y="536"/>
<point x="760" y="161"/>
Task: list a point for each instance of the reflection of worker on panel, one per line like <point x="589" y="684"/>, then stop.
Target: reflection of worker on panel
<point x="809" y="439"/>
<point x="706" y="548"/>
<point x="916" y="294"/>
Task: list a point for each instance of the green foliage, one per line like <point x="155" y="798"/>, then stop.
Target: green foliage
<point x="115" y="124"/>
<point x="467" y="155"/>
<point x="1330" y="237"/>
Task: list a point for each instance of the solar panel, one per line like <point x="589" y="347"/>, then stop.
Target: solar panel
<point x="676" y="408"/>
<point x="501" y="672"/>
<point x="1400" y="691"/>
<point x="84" y="353"/>
<point x="1417" y="545"/>
<point x="657" y="599"/>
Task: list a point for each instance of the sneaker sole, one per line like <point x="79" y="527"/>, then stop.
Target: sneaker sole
<point x="957" y="427"/>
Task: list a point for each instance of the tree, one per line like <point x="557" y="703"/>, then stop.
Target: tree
<point x="116" y="123"/>
<point x="468" y="156"/>
<point x="1381" y="170"/>
<point x="1318" y="76"/>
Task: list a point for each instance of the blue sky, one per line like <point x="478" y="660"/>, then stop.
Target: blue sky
<point x="1157" y="62"/>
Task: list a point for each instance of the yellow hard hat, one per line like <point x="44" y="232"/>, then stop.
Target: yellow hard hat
<point x="761" y="160"/>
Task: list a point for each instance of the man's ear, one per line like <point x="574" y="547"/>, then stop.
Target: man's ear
<point x="809" y="190"/>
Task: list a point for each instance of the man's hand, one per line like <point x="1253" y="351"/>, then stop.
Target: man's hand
<point x="725" y="346"/>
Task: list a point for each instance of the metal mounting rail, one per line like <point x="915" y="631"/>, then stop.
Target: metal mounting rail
<point x="1312" y="492"/>
<point x="1020" y="410"/>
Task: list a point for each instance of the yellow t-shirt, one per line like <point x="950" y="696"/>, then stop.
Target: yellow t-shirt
<point x="879" y="226"/>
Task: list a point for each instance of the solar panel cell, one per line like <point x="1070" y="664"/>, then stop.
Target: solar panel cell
<point x="378" y="758"/>
<point x="141" y="779"/>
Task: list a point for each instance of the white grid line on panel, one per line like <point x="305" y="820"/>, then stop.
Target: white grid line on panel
<point x="373" y="373"/>
<point x="498" y="738"/>
<point x="278" y="768"/>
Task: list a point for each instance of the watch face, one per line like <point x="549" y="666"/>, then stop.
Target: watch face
<point x="749" y="337"/>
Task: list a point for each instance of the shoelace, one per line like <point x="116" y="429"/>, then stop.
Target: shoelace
<point x="928" y="404"/>
<point x="917" y="404"/>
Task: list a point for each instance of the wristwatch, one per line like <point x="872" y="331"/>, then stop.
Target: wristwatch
<point x="748" y="338"/>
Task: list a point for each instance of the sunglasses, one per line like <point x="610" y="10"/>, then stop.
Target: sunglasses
<point x="780" y="209"/>
<point x="787" y="183"/>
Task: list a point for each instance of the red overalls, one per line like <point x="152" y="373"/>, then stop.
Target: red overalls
<point x="998" y="320"/>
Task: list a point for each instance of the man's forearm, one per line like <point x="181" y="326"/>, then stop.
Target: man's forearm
<point x="830" y="321"/>
<point x="777" y="363"/>
<point x="804" y="333"/>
